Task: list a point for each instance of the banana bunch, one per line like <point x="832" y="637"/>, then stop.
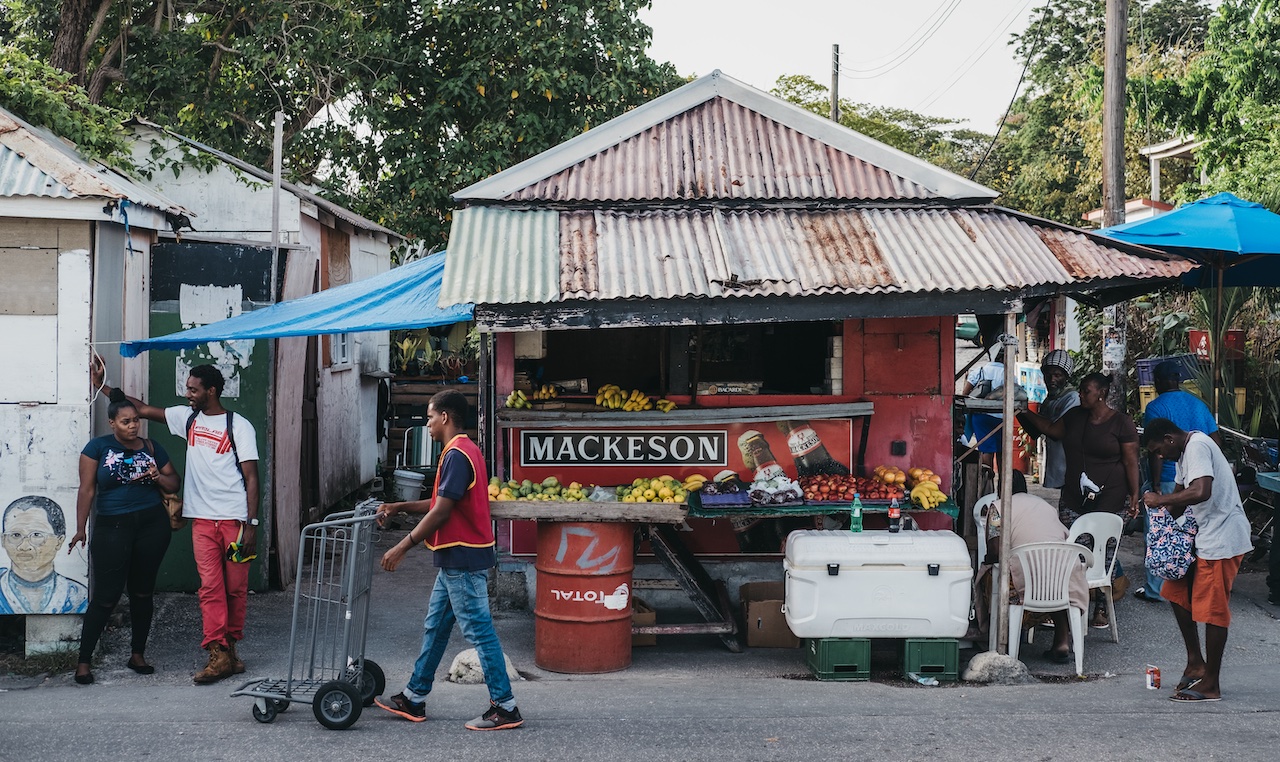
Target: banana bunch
<point x="610" y="397"/>
<point x="637" y="401"/>
<point x="545" y="392"/>
<point x="665" y="406"/>
<point x="928" y="495"/>
<point x="693" y="483"/>
<point x="517" y="400"/>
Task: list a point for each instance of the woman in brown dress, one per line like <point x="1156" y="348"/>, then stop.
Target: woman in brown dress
<point x="1101" y="443"/>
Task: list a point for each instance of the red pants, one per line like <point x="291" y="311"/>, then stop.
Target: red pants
<point x="224" y="586"/>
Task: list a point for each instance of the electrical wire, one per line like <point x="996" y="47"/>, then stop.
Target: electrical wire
<point x="1026" y="63"/>
<point x="873" y="64"/>
<point x="977" y="55"/>
<point x="883" y="69"/>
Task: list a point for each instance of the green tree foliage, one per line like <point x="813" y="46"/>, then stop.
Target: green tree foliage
<point x="1231" y="96"/>
<point x="928" y="137"/>
<point x="392" y="103"/>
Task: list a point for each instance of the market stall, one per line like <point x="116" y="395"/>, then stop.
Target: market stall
<point x="721" y="288"/>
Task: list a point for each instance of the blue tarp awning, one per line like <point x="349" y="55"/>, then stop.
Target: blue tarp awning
<point x="403" y="297"/>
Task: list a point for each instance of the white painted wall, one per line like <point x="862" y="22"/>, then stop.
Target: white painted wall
<point x="41" y="443"/>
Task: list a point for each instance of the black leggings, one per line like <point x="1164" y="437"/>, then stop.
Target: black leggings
<point x="125" y="550"/>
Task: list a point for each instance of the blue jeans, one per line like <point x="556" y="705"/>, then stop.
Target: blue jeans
<point x="462" y="597"/>
<point x="1154" y="584"/>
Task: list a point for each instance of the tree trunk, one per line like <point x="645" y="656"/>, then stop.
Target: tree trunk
<point x="73" y="23"/>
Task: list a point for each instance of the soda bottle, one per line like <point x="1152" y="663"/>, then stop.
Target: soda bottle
<point x="757" y="454"/>
<point x="855" y="513"/>
<point x="808" y="452"/>
<point x="895" y="516"/>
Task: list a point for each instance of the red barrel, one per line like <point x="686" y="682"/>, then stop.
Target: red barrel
<point x="583" y="606"/>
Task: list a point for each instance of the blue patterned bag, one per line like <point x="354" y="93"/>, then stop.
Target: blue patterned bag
<point x="1171" y="547"/>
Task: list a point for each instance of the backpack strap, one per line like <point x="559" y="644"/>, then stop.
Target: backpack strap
<point x="231" y="436"/>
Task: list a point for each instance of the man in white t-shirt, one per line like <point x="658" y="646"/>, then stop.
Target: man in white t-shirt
<point x="1204" y="483"/>
<point x="220" y="498"/>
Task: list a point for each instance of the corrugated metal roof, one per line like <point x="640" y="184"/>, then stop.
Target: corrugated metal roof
<point x="721" y="150"/>
<point x="19" y="177"/>
<point x="719" y="138"/>
<point x="510" y="257"/>
<point x="65" y="169"/>
<point x="506" y="256"/>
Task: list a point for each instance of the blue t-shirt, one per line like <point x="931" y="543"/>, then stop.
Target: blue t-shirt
<point x="1187" y="411"/>
<point x="116" y="466"/>
<point x="456" y="476"/>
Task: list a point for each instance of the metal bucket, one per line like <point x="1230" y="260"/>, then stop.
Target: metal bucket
<point x="583" y="606"/>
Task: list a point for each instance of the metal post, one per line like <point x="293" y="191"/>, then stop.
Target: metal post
<point x="277" y="169"/>
<point x="835" y="83"/>
<point x="1005" y="628"/>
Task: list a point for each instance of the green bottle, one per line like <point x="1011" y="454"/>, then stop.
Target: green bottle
<point x="855" y="513"/>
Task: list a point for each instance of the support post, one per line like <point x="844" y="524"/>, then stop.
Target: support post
<point x="835" y="83"/>
<point x="1114" y="79"/>
<point x="1005" y="628"/>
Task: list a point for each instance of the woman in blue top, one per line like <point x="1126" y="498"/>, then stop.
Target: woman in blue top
<point x="130" y="529"/>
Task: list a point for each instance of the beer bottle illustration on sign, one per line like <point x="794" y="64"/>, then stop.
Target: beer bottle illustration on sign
<point x="757" y="454"/>
<point x="808" y="452"/>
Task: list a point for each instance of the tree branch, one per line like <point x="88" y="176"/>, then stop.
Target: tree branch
<point x="94" y="30"/>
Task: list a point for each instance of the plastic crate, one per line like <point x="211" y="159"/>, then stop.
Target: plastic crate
<point x="934" y="657"/>
<point x="839" y="658"/>
<point x="1145" y="395"/>
<point x="1147" y="368"/>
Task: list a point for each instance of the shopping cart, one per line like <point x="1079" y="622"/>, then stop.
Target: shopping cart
<point x="330" y="618"/>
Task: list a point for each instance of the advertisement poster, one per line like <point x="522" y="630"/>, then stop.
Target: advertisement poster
<point x="609" y="456"/>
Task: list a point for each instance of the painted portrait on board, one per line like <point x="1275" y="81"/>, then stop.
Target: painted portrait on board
<point x="33" y="532"/>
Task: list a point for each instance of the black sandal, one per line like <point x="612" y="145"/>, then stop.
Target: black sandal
<point x="141" y="669"/>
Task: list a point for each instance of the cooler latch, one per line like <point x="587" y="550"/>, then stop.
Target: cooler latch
<point x="934" y="569"/>
<point x="833" y="570"/>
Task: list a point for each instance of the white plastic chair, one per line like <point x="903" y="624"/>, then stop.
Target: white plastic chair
<point x="1104" y="527"/>
<point x="1046" y="571"/>
<point x="980" y="522"/>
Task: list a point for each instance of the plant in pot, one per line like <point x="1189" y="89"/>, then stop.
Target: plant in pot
<point x="408" y="348"/>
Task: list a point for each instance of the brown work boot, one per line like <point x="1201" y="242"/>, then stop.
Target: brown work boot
<point x="237" y="666"/>
<point x="219" y="665"/>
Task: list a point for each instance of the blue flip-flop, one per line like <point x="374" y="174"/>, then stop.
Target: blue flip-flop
<point x="1186" y="683"/>
<point x="1192" y="697"/>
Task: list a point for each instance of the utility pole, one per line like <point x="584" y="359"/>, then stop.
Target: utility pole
<point x="835" y="83"/>
<point x="1114" y="96"/>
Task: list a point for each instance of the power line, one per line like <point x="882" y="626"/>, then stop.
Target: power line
<point x="881" y="70"/>
<point x="910" y="39"/>
<point x="977" y="55"/>
<point x="1026" y="63"/>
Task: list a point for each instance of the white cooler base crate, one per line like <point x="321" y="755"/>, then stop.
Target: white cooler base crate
<point x="877" y="584"/>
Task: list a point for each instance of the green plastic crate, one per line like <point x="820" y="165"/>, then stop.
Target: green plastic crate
<point x="839" y="658"/>
<point x="932" y="657"/>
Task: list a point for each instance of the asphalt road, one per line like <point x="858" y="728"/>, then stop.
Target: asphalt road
<point x="686" y="699"/>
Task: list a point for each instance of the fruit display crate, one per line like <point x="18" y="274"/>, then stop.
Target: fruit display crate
<point x="932" y="657"/>
<point x="839" y="658"/>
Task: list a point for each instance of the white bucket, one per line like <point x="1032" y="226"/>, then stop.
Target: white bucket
<point x="409" y="484"/>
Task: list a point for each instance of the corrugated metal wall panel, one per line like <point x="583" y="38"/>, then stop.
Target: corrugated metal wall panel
<point x="721" y="150"/>
<point x="500" y="256"/>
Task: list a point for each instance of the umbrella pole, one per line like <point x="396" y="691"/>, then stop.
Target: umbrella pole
<point x="1219" y="335"/>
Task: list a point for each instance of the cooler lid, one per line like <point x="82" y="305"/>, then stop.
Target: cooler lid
<point x="815" y="548"/>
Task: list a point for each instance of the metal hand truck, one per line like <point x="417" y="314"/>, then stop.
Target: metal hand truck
<point x="330" y="618"/>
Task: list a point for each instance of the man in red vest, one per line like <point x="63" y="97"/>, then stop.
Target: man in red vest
<point x="458" y="529"/>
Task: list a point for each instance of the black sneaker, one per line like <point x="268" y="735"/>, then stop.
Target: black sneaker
<point x="403" y="707"/>
<point x="497" y="718"/>
<point x="1274" y="599"/>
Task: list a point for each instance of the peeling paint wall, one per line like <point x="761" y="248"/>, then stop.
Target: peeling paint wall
<point x="41" y="441"/>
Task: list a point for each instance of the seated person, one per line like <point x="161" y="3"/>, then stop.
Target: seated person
<point x="1034" y="520"/>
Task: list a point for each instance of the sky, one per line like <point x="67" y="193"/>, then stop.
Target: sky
<point x="946" y="58"/>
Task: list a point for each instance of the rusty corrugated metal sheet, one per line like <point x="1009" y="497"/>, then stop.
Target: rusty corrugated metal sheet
<point x="602" y="255"/>
<point x="19" y="177"/>
<point x="63" y="166"/>
<point x="721" y="150"/>
<point x="505" y="257"/>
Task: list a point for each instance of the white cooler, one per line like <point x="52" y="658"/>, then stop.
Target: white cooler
<point x="877" y="584"/>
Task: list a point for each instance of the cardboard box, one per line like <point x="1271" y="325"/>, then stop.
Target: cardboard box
<point x="762" y="612"/>
<point x="642" y="615"/>
<point x="573" y="385"/>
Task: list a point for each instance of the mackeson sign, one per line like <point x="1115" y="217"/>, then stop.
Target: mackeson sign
<point x="595" y="447"/>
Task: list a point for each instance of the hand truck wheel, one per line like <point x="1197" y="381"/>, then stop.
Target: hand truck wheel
<point x="337" y="705"/>
<point x="372" y="682"/>
<point x="265" y="710"/>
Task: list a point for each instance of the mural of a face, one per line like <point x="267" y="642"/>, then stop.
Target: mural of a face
<point x="31" y="543"/>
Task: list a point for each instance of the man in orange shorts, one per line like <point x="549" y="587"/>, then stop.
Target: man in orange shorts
<point x="1206" y="484"/>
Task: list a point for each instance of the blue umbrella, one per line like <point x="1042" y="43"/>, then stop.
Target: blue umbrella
<point x="1232" y="239"/>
